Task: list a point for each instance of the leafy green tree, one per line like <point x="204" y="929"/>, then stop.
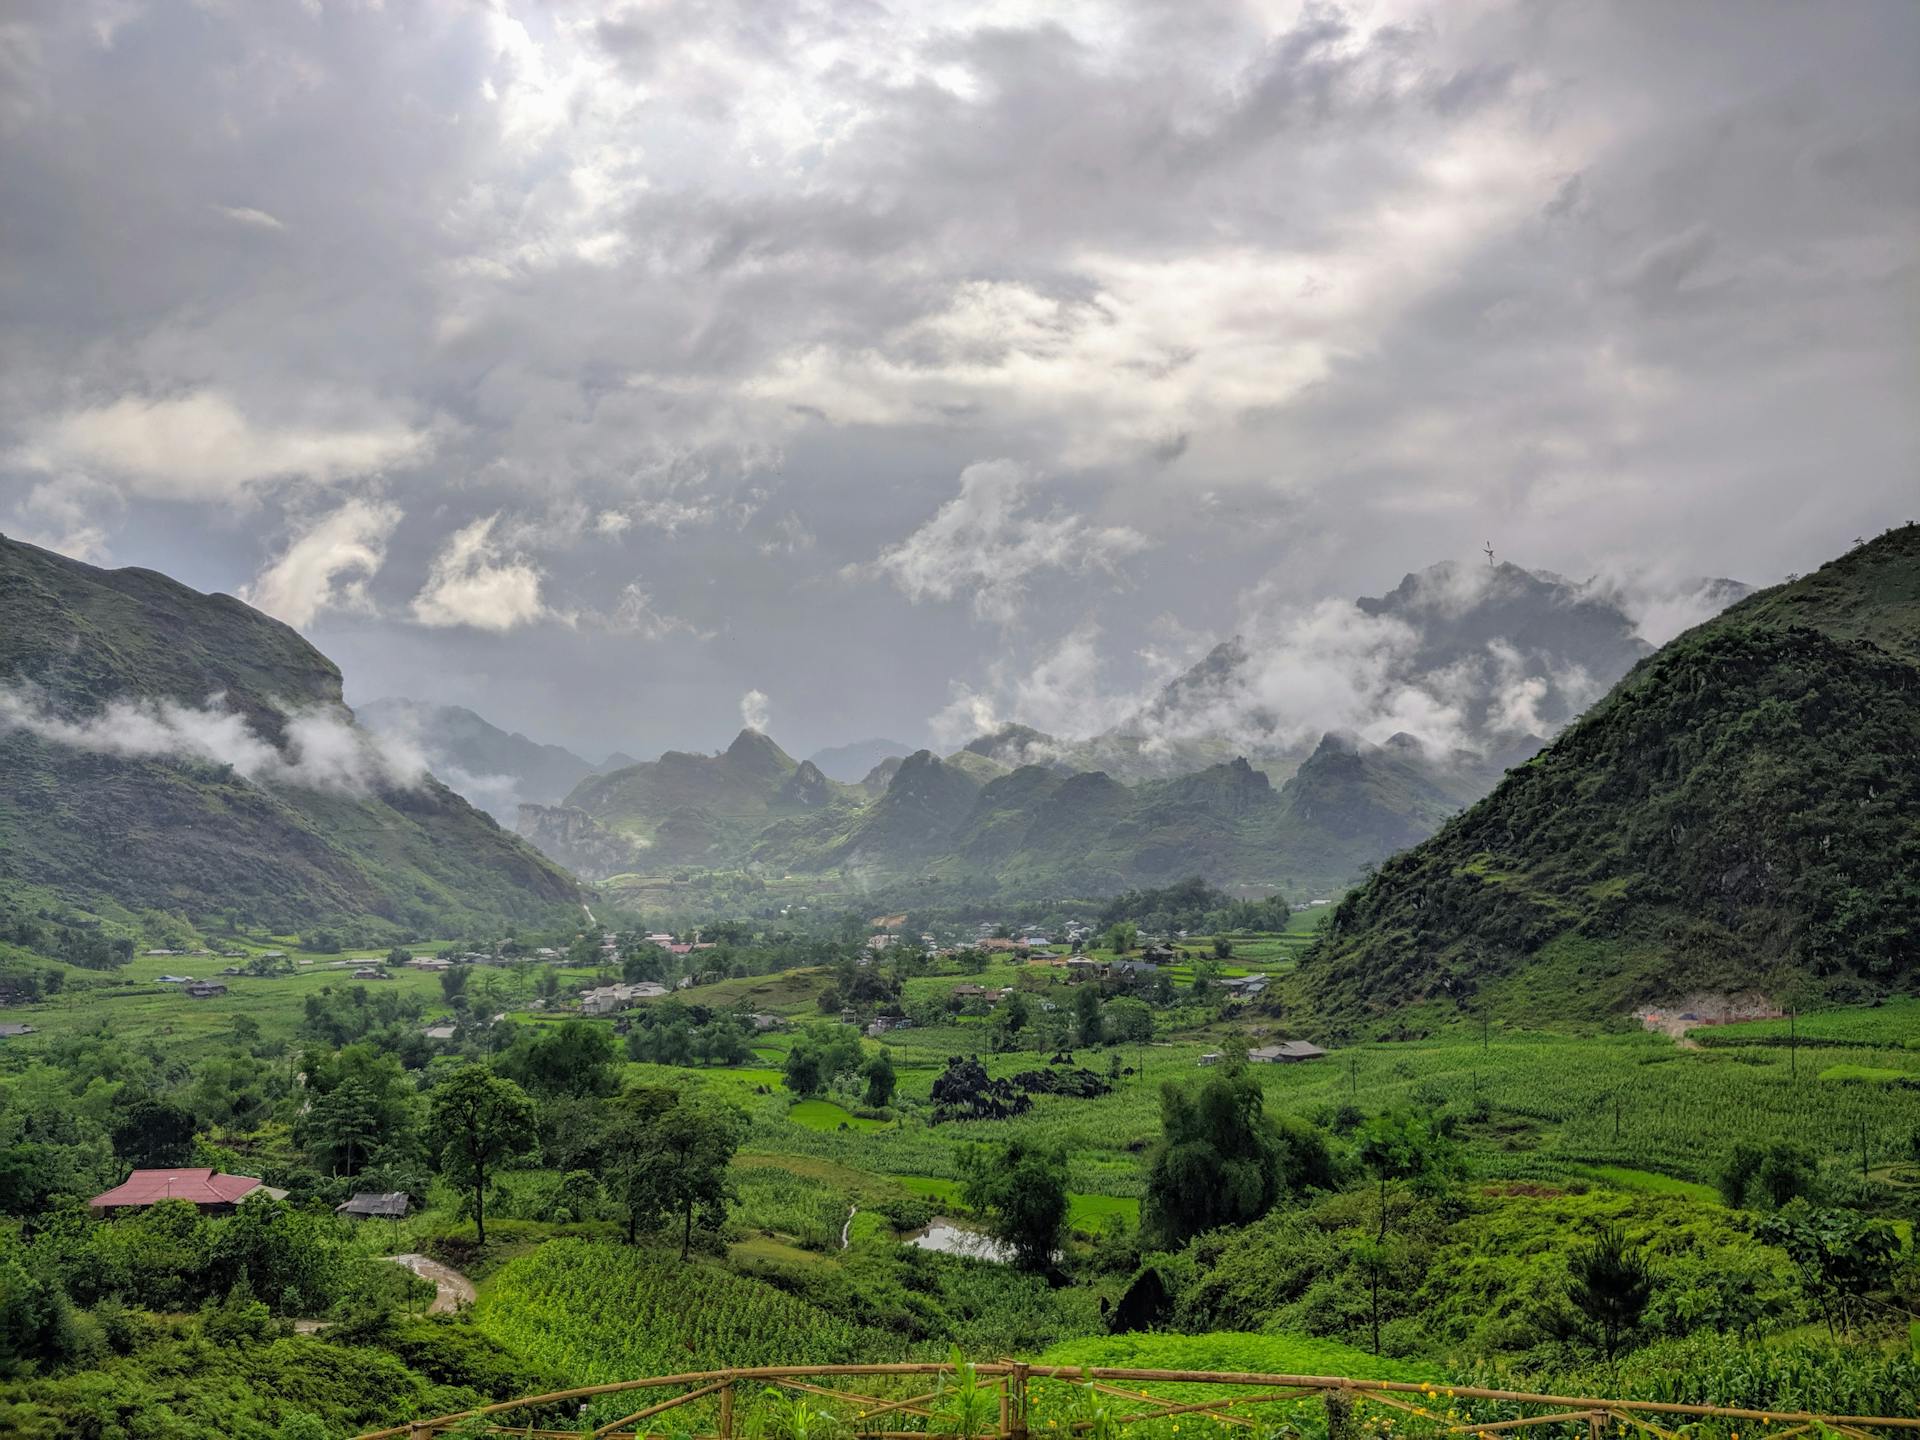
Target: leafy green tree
<point x="1842" y="1256"/>
<point x="483" y="1122"/>
<point x="880" y="1081"/>
<point x="670" y="1155"/>
<point x="819" y="1054"/>
<point x="1767" y="1175"/>
<point x="1087" y="1027"/>
<point x="1121" y="937"/>
<point x="575" y="1058"/>
<point x="1221" y="1160"/>
<point x="343" y="1126"/>
<point x="1612" y="1285"/>
<point x="153" y="1133"/>
<point x="1127" y="1020"/>
<point x="1399" y="1149"/>
<point x="1022" y="1191"/>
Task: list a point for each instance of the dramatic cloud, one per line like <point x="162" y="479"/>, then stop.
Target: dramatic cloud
<point x="670" y="319"/>
<point x="475" y="583"/>
<point x="987" y="543"/>
<point x="327" y="565"/>
<point x="323" y="750"/>
<point x="200" y="446"/>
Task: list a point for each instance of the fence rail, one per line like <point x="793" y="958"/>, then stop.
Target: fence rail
<point x="1010" y="1389"/>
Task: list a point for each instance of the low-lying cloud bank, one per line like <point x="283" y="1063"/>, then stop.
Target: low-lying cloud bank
<point x="323" y="750"/>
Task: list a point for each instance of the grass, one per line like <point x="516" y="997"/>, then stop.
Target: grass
<point x="826" y="1116"/>
<point x="1868" y="1075"/>
<point x="1283" y="1354"/>
<point x="1624" y="1177"/>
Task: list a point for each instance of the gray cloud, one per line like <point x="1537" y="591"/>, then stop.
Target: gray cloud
<point x="659" y="319"/>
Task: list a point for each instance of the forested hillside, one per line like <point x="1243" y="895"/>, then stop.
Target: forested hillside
<point x="164" y="750"/>
<point x="1738" y="812"/>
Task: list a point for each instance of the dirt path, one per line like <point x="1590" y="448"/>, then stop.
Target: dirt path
<point x="451" y="1288"/>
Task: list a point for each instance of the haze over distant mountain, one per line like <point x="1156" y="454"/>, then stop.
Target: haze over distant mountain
<point x="853" y="762"/>
<point x="161" y="749"/>
<point x="494" y="769"/>
<point x="1741" y="808"/>
<point x="1429" y="692"/>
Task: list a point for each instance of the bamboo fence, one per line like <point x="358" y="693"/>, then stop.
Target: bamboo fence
<point x="1011" y="1385"/>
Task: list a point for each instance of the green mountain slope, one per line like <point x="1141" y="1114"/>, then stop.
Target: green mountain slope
<point x="1740" y="808"/>
<point x="112" y="803"/>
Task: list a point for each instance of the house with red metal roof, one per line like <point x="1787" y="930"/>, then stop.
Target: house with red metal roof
<point x="209" y="1191"/>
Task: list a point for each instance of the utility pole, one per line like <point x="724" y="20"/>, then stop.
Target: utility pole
<point x="1353" y="1076"/>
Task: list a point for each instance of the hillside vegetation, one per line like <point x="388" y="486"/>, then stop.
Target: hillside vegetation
<point x="117" y="827"/>
<point x="1738" y="812"/>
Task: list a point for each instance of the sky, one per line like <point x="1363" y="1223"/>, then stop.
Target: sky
<point x="624" y="371"/>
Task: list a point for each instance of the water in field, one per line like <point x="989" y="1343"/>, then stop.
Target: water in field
<point x="951" y="1238"/>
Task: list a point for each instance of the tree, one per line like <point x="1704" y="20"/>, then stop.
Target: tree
<point x="576" y="1058"/>
<point x="1222" y="1160"/>
<point x="1399" y="1149"/>
<point x="1128" y="1021"/>
<point x="1772" y="1175"/>
<point x="1612" y="1285"/>
<point x="1122" y="937"/>
<point x="880" y="1081"/>
<point x="1086" y="1015"/>
<point x="1022" y="1191"/>
<point x="1840" y="1254"/>
<point x="483" y="1122"/>
<point x="818" y="1055"/>
<point x="670" y="1158"/>
<point x="343" y="1126"/>
<point x="153" y="1132"/>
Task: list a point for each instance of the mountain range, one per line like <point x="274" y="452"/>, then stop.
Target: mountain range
<point x="1738" y="813"/>
<point x="1226" y="771"/>
<point x="164" y="750"/>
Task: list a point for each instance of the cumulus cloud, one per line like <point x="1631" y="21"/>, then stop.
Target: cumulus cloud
<point x="475" y="583"/>
<point x="322" y="749"/>
<point x="202" y="446"/>
<point x="755" y="710"/>
<point x="988" y="542"/>
<point x="250" y="217"/>
<point x="327" y="565"/>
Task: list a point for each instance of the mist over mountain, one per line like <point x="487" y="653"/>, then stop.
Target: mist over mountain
<point x="1460" y="658"/>
<point x="494" y="769"/>
<point x="161" y="749"/>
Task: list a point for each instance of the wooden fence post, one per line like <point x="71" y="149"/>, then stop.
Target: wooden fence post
<point x="726" y="1411"/>
<point x="1340" y="1409"/>
<point x="1017" y="1427"/>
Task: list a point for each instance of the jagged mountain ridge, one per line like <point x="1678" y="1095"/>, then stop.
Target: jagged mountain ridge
<point x="102" y="814"/>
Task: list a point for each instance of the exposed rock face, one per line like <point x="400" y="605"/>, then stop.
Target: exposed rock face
<point x="578" y="841"/>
